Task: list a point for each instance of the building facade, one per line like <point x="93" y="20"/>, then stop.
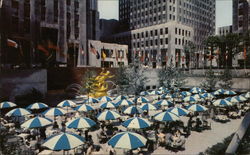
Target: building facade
<point x="107" y="54"/>
<point x="198" y="15"/>
<point x="223" y="31"/>
<point x="241" y="16"/>
<point x="58" y="27"/>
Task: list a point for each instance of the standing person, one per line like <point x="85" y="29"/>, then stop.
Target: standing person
<point x="63" y="127"/>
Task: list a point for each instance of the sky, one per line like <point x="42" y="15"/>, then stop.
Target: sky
<point x="109" y="10"/>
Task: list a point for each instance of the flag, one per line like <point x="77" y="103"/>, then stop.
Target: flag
<point x="210" y="57"/>
<point x="218" y="52"/>
<point x="12" y="43"/>
<point x="177" y="57"/>
<point x="52" y="46"/>
<point x="92" y="49"/>
<point x="41" y="48"/>
<point x="245" y="53"/>
<point x="82" y="51"/>
<point x="166" y="58"/>
<point x="116" y="55"/>
<point x="226" y="55"/>
<point x="142" y="57"/>
<point x="103" y="54"/>
<point x="183" y="58"/>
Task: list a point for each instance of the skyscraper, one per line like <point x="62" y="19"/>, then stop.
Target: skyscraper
<point x="241" y="16"/>
<point x="188" y="14"/>
<point x="65" y="25"/>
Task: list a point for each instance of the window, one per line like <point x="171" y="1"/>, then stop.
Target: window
<point x="175" y="41"/>
<point x="161" y="31"/>
<point x="166" y="30"/>
<point x="161" y="41"/>
<point x="176" y="30"/>
<point x="156" y="42"/>
<point x="156" y="32"/>
<point x="166" y="40"/>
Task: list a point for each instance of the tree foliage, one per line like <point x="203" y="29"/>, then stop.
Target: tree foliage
<point x="137" y="78"/>
<point x="87" y="82"/>
<point x="122" y="79"/>
<point x="210" y="81"/>
<point x="171" y="77"/>
<point x="225" y="81"/>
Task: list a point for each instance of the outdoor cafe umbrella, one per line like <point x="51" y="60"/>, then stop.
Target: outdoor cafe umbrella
<point x="155" y="92"/>
<point x="197" y="108"/>
<point x="219" y="92"/>
<point x="124" y="102"/>
<point x="208" y="95"/>
<point x="144" y="93"/>
<point x="232" y="99"/>
<point x="81" y="123"/>
<point x="148" y="107"/>
<point x="229" y="92"/>
<point x="127" y="140"/>
<point x="108" y="105"/>
<point x="136" y="123"/>
<point x="141" y="100"/>
<point x="36" y="106"/>
<point x="120" y="97"/>
<point x="104" y="99"/>
<point x="190" y="99"/>
<point x="7" y="104"/>
<point x="36" y="122"/>
<point x="108" y="115"/>
<point x="63" y="141"/>
<point x="178" y="111"/>
<point x="195" y="90"/>
<point x="18" y="112"/>
<point x="241" y="98"/>
<point x="247" y="95"/>
<point x="185" y="93"/>
<point x="133" y="110"/>
<point x="91" y="100"/>
<point x="66" y="103"/>
<point x="167" y="96"/>
<point x="166" y="116"/>
<point x="222" y="103"/>
<point x="84" y="108"/>
<point x="54" y="112"/>
<point x="163" y="103"/>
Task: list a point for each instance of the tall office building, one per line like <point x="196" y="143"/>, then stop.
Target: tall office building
<point x="64" y="25"/>
<point x="196" y="17"/>
<point x="241" y="16"/>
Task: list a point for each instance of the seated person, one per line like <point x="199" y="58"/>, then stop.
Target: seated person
<point x="55" y="125"/>
<point x="198" y="124"/>
<point x="178" y="140"/>
<point x="168" y="140"/>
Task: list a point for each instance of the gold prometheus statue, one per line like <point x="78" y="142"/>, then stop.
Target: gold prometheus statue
<point x="100" y="86"/>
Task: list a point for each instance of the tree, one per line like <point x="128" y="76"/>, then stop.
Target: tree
<point x="226" y="79"/>
<point x="210" y="81"/>
<point x="233" y="45"/>
<point x="122" y="79"/>
<point x="212" y="43"/>
<point x="171" y="77"/>
<point x="136" y="76"/>
<point x="189" y="50"/>
<point x="88" y="80"/>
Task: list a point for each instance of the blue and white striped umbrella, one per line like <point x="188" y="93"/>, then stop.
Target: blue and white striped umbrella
<point x="7" y="104"/>
<point x="198" y="96"/>
<point x="247" y="95"/>
<point x="66" y="103"/>
<point x="54" y="112"/>
<point x="148" y="107"/>
<point x="155" y="92"/>
<point x="18" y="112"/>
<point x="121" y="97"/>
<point x="222" y="103"/>
<point x="108" y="105"/>
<point x="36" y="122"/>
<point x="136" y="123"/>
<point x="91" y="100"/>
<point x="196" y="107"/>
<point x="36" y="106"/>
<point x="133" y="110"/>
<point x="178" y="111"/>
<point x="144" y="93"/>
<point x="229" y="92"/>
<point x="127" y="140"/>
<point x="186" y="93"/>
<point x="104" y="99"/>
<point x="163" y="103"/>
<point x="240" y="98"/>
<point x="124" y="102"/>
<point x="190" y="99"/>
<point x="81" y="123"/>
<point x="195" y="90"/>
<point x="219" y="92"/>
<point x="108" y="115"/>
<point x="166" y="116"/>
<point x="141" y="100"/>
<point x="167" y="96"/>
<point x="84" y="108"/>
<point x="208" y="95"/>
<point x="232" y="99"/>
<point x="63" y="141"/>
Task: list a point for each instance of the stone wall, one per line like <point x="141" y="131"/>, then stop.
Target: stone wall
<point x="17" y="82"/>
